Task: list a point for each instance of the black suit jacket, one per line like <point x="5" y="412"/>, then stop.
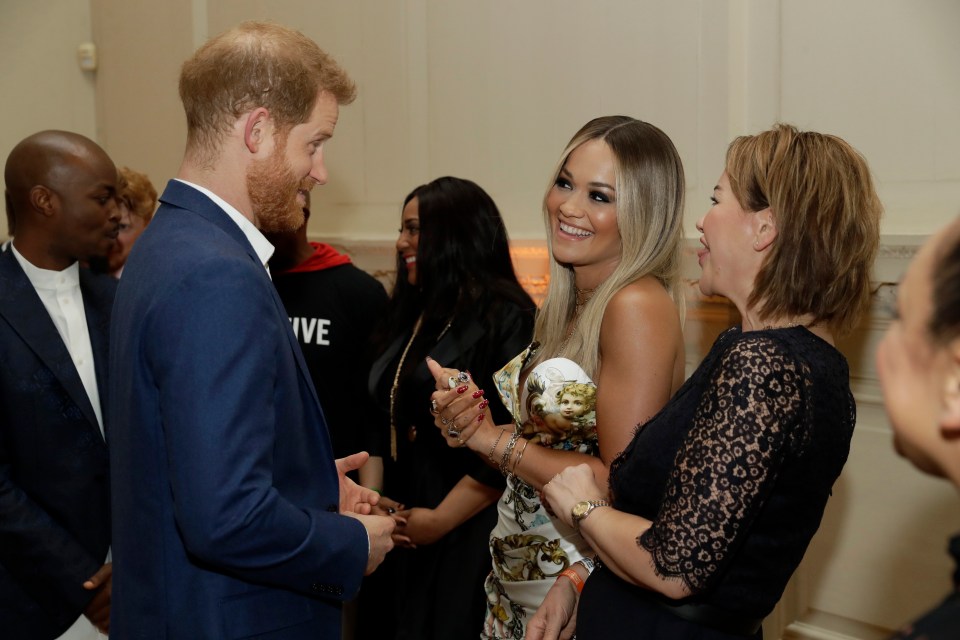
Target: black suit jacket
<point x="54" y="481"/>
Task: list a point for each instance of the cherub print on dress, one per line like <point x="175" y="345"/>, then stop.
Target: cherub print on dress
<point x="559" y="408"/>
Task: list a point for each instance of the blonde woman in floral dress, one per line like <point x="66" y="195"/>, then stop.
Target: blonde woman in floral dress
<point x="610" y="320"/>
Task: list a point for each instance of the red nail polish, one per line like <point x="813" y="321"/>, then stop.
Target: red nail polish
<point x="480" y="417"/>
<point x="477" y="393"/>
<point x="462" y="389"/>
<point x="483" y="405"/>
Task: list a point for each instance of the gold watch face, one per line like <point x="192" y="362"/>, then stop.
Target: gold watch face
<point x="580" y="510"/>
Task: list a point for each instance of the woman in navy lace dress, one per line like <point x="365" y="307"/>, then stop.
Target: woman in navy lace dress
<point x="711" y="507"/>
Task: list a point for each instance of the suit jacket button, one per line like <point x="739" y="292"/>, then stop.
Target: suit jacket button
<point x="315" y="587"/>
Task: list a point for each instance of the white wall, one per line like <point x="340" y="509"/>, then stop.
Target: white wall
<point x="492" y="90"/>
<point x="43" y="86"/>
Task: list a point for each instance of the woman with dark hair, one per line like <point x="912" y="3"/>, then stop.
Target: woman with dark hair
<point x="456" y="298"/>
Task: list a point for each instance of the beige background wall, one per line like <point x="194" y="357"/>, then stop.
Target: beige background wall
<point x="492" y="91"/>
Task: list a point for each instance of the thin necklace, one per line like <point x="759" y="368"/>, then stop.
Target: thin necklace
<point x="396" y="381"/>
<point x="582" y="298"/>
<point x="393" y="389"/>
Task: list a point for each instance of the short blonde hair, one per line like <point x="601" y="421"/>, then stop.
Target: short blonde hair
<point x="821" y="195"/>
<point x="255" y="64"/>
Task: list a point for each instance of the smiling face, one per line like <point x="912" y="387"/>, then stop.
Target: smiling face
<point x="409" y="239"/>
<point x="917" y="374"/>
<point x="582" y="207"/>
<point x="728" y="257"/>
<point x="278" y="186"/>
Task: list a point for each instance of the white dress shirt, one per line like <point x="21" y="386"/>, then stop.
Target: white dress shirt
<point x="60" y="293"/>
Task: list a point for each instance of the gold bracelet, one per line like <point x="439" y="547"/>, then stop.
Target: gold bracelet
<point x="516" y="463"/>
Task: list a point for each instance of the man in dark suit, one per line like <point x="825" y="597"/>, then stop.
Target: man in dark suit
<point x="54" y="319"/>
<point x="236" y="521"/>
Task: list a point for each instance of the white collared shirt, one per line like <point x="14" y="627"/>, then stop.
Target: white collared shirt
<point x="261" y="246"/>
<point x="60" y="293"/>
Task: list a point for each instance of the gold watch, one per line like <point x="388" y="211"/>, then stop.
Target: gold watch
<point x="583" y="508"/>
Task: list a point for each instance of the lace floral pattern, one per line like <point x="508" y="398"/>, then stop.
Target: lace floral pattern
<point x="734" y="473"/>
<point x="727" y="460"/>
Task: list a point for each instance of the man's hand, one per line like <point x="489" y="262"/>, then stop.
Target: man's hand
<point x="379" y="534"/>
<point x="557" y="616"/>
<point x="353" y="497"/>
<point x="98" y="610"/>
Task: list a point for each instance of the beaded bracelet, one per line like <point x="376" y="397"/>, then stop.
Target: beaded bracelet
<point x="573" y="575"/>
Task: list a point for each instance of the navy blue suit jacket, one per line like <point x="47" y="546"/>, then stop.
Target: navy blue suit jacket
<point x="54" y="480"/>
<point x="223" y="474"/>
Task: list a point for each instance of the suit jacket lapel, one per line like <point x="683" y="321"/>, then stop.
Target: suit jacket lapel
<point x="183" y="196"/>
<point x="22" y="308"/>
<point x="191" y="201"/>
<point x="97" y="307"/>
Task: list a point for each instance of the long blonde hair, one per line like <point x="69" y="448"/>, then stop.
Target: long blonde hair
<point x="650" y="189"/>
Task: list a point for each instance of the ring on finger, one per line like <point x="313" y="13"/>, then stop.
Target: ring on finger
<point x="453" y="432"/>
<point x="444" y="421"/>
<point x="433" y="407"/>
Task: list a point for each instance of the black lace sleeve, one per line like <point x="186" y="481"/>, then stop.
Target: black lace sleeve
<point x="743" y="427"/>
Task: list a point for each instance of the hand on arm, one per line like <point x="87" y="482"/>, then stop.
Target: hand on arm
<point x="612" y="534"/>
<point x="748" y="431"/>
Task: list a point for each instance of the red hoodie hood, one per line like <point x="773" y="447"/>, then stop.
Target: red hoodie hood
<point x="324" y="256"/>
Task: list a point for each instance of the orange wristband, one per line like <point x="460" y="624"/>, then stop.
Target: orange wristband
<point x="573" y="575"/>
